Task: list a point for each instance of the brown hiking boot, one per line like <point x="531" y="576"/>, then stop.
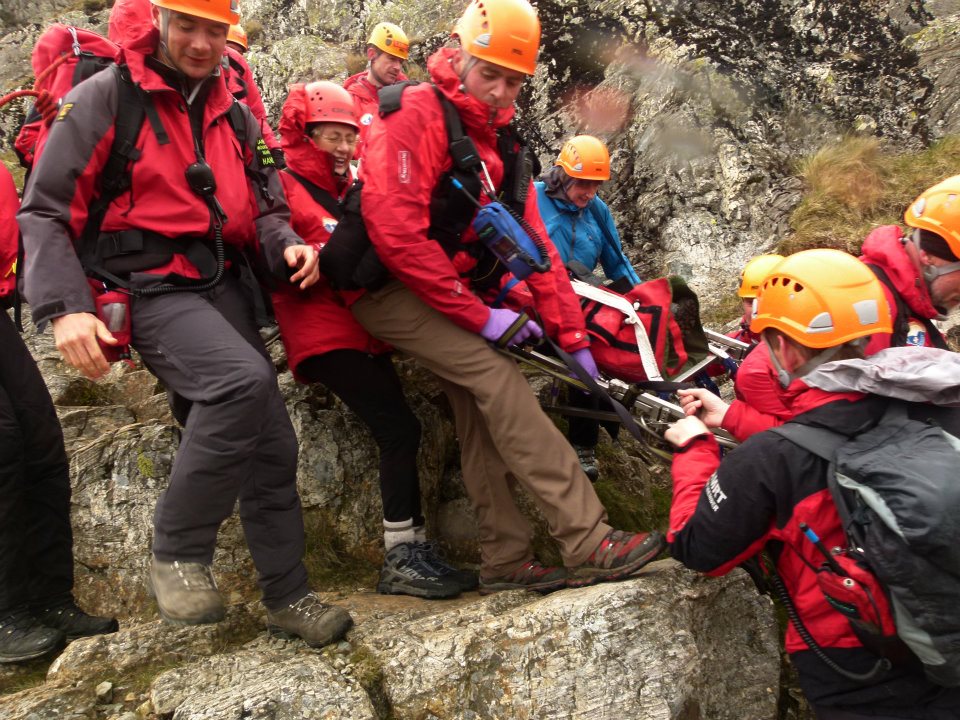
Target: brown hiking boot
<point x="619" y="555"/>
<point x="529" y="576"/>
<point x="315" y="622"/>
<point x="186" y="592"/>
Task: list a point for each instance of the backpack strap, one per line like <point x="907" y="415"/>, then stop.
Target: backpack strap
<point x="321" y="196"/>
<point x="390" y="97"/>
<point x="133" y="106"/>
<point x="237" y="121"/>
<point x="901" y="326"/>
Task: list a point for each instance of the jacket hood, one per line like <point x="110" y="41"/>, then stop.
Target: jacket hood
<point x="302" y="154"/>
<point x="884" y="247"/>
<point x="129" y="21"/>
<point x="474" y="114"/>
<point x="904" y="373"/>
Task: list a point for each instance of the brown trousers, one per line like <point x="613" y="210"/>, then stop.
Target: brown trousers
<point x="505" y="438"/>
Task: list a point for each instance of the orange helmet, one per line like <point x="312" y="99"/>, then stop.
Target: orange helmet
<point x="329" y="102"/>
<point x="503" y="32"/>
<point x="938" y="210"/>
<point x="754" y="273"/>
<point x="585" y="157"/>
<point x="822" y="298"/>
<point x="236" y="34"/>
<point x="222" y="11"/>
<point x="391" y="39"/>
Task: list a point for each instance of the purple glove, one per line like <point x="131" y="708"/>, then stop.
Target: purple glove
<point x="500" y="321"/>
<point x="585" y="358"/>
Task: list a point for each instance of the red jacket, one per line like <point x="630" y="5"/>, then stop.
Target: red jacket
<point x="9" y="235"/>
<point x="316" y="320"/>
<point x="725" y="513"/>
<point x="884" y="248"/>
<point x="129" y="19"/>
<point x="65" y="181"/>
<point x="408" y="152"/>
<point x="760" y="401"/>
<point x="718" y="521"/>
<point x="366" y="101"/>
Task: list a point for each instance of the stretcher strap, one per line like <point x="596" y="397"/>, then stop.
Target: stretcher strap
<point x="628" y="421"/>
<point x="618" y="302"/>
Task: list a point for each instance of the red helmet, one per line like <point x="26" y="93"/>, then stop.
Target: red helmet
<point x="329" y="102"/>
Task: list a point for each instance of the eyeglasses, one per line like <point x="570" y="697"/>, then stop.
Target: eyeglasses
<point x="336" y="140"/>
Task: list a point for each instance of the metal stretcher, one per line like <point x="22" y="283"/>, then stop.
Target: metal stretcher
<point x="653" y="412"/>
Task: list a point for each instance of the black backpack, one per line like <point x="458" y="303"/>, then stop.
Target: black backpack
<point x="896" y="487"/>
<point x="350" y="262"/>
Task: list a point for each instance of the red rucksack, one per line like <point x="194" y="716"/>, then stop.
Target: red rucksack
<point x="63" y="57"/>
<point x="9" y="238"/>
<point x="649" y="333"/>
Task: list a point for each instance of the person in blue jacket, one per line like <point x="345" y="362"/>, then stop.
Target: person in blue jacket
<point x="581" y="227"/>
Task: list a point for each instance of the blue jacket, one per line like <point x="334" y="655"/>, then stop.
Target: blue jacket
<point x="577" y="234"/>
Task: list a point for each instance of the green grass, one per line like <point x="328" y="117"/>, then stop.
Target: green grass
<point x="329" y="565"/>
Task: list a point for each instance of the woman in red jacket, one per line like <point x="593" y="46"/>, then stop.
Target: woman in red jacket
<point x="325" y="344"/>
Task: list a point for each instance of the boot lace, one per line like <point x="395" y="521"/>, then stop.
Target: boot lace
<point x="310" y="607"/>
<point x="195" y="576"/>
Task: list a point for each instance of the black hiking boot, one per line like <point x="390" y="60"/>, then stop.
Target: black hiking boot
<point x="63" y="614"/>
<point x="467" y="580"/>
<point x="407" y="570"/>
<point x="22" y="638"/>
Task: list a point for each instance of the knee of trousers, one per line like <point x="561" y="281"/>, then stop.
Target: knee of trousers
<point x="251" y="382"/>
<point x="403" y="430"/>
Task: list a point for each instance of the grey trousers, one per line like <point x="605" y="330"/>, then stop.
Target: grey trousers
<point x="238" y="442"/>
<point x="505" y="438"/>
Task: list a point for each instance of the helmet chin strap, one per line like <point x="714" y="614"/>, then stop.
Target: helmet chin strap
<point x="785" y="377"/>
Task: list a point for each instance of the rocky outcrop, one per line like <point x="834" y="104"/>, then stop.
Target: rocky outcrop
<point x="668" y="645"/>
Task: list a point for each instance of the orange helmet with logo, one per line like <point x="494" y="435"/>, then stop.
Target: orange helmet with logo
<point x="391" y="39"/>
<point x="223" y="11"/>
<point x="822" y="298"/>
<point x="329" y="102"/>
<point x="236" y="34"/>
<point x="585" y="157"/>
<point x="754" y="272"/>
<point x="938" y="210"/>
<point x="502" y="32"/>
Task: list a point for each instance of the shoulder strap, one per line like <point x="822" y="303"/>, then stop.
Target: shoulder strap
<point x="820" y="441"/>
<point x="321" y="196"/>
<point x="901" y="327"/>
<point x="238" y="121"/>
<point x="133" y="106"/>
<point x="390" y="97"/>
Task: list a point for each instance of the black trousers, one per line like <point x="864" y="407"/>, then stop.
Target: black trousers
<point x="584" y="431"/>
<point x="238" y="442"/>
<point x="36" y="542"/>
<point x="368" y="385"/>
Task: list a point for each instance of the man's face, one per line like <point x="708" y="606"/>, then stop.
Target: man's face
<point x="491" y="84"/>
<point x="194" y="45"/>
<point x="581" y="192"/>
<point x="747" y="310"/>
<point x="384" y="67"/>
<point x="945" y="290"/>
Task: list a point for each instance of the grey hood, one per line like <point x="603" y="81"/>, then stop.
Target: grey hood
<point x="906" y="373"/>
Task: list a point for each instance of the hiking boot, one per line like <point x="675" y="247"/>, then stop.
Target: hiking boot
<point x="407" y="570"/>
<point x="186" y="592"/>
<point x="22" y="638"/>
<point x="588" y="462"/>
<point x="466" y="580"/>
<point x="64" y="615"/>
<point x="529" y="576"/>
<point x="311" y="620"/>
<point x="618" y="555"/>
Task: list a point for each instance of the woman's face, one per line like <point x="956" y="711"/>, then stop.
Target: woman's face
<point x="581" y="192"/>
<point x="339" y="140"/>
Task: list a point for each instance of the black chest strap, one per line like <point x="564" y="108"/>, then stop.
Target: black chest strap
<point x="319" y="195"/>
